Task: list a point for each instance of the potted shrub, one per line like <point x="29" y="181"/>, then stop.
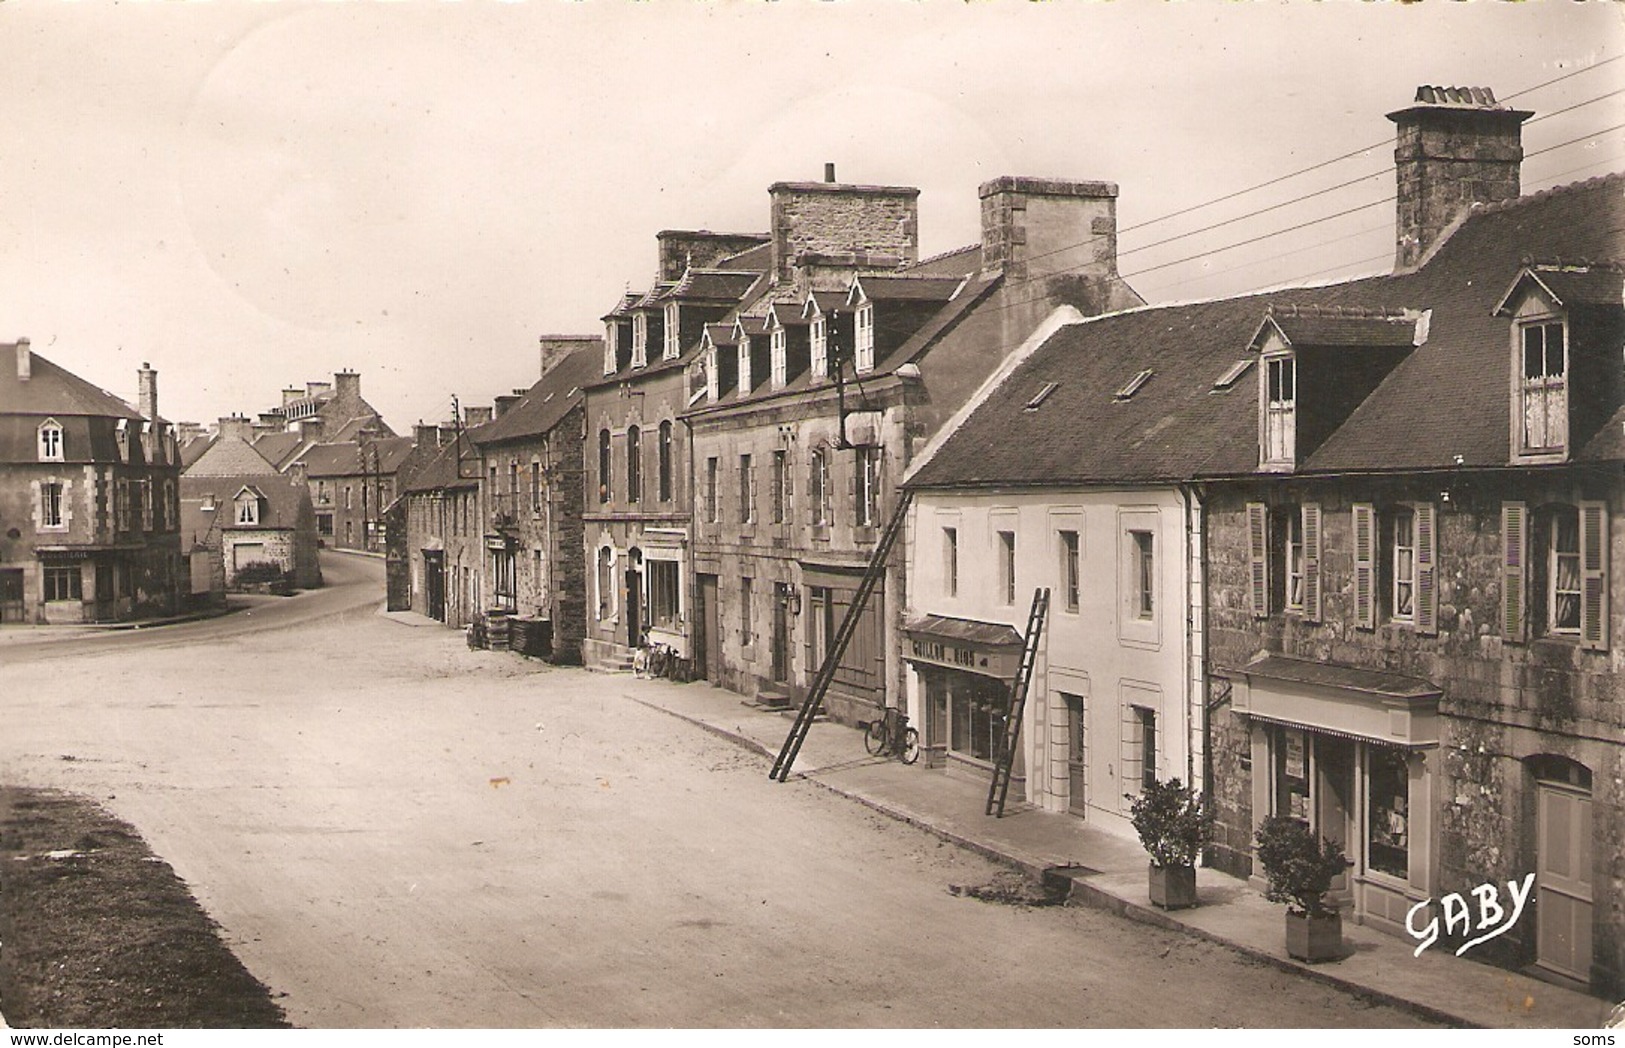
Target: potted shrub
<point x="1174" y="823"/>
<point x="1300" y="868"/>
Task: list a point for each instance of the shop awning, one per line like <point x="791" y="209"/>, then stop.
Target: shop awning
<point x="992" y="649"/>
<point x="1352" y="701"/>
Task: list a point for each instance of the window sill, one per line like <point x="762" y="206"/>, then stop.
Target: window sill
<point x="864" y="534"/>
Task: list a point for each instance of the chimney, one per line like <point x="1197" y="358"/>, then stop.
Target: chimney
<point x="347" y="384"/>
<point x="312" y="428"/>
<point x="25" y="360"/>
<point x="556" y="347"/>
<point x="503" y="403"/>
<point x="829" y="173"/>
<point x="448" y="432"/>
<point x="235" y="427"/>
<point x="291" y="394"/>
<point x="147" y="385"/>
<point x="473" y="416"/>
<point x="1456" y="147"/>
<point x="265" y="426"/>
<point x="879" y="224"/>
<point x="316" y="389"/>
<point x="425" y="435"/>
<point x="700" y="248"/>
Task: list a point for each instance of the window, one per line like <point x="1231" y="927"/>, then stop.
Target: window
<point x="503" y="570"/>
<point x="779" y="480"/>
<point x="744" y="366"/>
<point x="818" y="487"/>
<point x="747" y="491"/>
<point x="1145" y="574"/>
<point x="50" y="441"/>
<point x="50" y="505"/>
<point x="819" y="333"/>
<point x="867" y="501"/>
<point x="611" y="346"/>
<point x="1388" y="812"/>
<point x="324" y="524"/>
<point x="665" y="460"/>
<point x="976" y="710"/>
<point x="865" y="344"/>
<point x="663" y="593"/>
<point x="143" y="493"/>
<point x="640" y="339"/>
<point x="606" y="583"/>
<point x="324" y="497"/>
<point x="1069" y="569"/>
<point x="950" y="562"/>
<point x="634" y="465"/>
<point x="745" y="638"/>
<point x="1007" y="567"/>
<point x="820" y="622"/>
<point x="779" y="364"/>
<point x="1563" y="573"/>
<point x="349" y="500"/>
<point x="711" y="490"/>
<point x="63" y="582"/>
<point x="673" y="333"/>
<point x="248" y="508"/>
<point x="606" y="465"/>
<point x="1294" y="562"/>
<point x="1545" y="388"/>
<point x="1143" y="739"/>
<point x="1280" y="410"/>
<point x="535" y="486"/>
<point x="349" y="533"/>
<point x="1404" y="546"/>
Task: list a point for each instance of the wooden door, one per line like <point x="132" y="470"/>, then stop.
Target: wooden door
<point x="710" y="659"/>
<point x="1076" y="765"/>
<point x="434" y="580"/>
<point x="1563" y="892"/>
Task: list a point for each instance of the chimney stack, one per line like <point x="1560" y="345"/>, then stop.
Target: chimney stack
<point x="476" y="416"/>
<point x="347" y="384"/>
<point x="700" y="248"/>
<point x="25" y="360"/>
<point x="425" y="435"/>
<point x="877" y="226"/>
<point x="829" y="173"/>
<point x="316" y="389"/>
<point x="291" y="394"/>
<point x="235" y="427"/>
<point x="505" y="402"/>
<point x="147" y="384"/>
<point x="556" y="347"/>
<point x="1456" y="147"/>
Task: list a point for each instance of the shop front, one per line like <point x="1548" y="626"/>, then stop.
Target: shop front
<point x="963" y="669"/>
<point x="1354" y="754"/>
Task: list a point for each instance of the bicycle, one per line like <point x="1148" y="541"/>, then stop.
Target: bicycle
<point x="891" y="736"/>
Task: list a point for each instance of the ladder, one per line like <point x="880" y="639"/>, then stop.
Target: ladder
<point x="1000" y="786"/>
<point x="872" y="577"/>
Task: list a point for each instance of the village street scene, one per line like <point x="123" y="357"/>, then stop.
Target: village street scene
<point x="874" y="584"/>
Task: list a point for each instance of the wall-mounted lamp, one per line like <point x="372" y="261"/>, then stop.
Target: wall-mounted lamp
<point x="792" y="600"/>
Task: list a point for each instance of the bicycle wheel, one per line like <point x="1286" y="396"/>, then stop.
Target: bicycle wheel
<point x="911" y="746"/>
<point x="874" y="738"/>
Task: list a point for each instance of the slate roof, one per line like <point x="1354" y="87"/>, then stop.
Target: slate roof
<point x="1334" y="328"/>
<point x="279" y="448"/>
<point x="284" y="499"/>
<point x="548" y="401"/>
<point x="756" y="259"/>
<point x="1575" y="284"/>
<point x="442" y="472"/>
<point x="332" y="459"/>
<point x="899" y="287"/>
<point x="53" y="390"/>
<point x="1448" y="397"/>
<point x="230" y="457"/>
<point x="961" y="261"/>
<point x="1310" y="671"/>
<point x="713" y="285"/>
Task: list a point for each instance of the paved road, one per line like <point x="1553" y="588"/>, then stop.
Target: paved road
<point x="396" y="831"/>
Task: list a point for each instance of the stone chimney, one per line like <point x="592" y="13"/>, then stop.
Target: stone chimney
<point x="267" y="425"/>
<point x="878" y="224"/>
<point x="556" y="347"/>
<point x="316" y="389"/>
<point x="425" y="435"/>
<point x="1456" y="147"/>
<point x="312" y="428"/>
<point x="235" y="427"/>
<point x="506" y="401"/>
<point x="147" y="387"/>
<point x="25" y="360"/>
<point x="473" y="416"/>
<point x="291" y="394"/>
<point x="700" y="248"/>
<point x="347" y="384"/>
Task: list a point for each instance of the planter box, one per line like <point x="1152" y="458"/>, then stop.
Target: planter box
<point x="1314" y="939"/>
<point x="1173" y="887"/>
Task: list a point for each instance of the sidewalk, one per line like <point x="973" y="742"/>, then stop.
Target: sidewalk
<point x="18" y="633"/>
<point x="1109" y="872"/>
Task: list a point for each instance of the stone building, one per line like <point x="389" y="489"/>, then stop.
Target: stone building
<point x="638" y="497"/>
<point x="533" y="490"/>
<point x="89" y="498"/>
<point x="809" y="409"/>
<point x="441" y="538"/>
<point x="351" y="483"/>
<point x="238" y="512"/>
<point x="1399" y="503"/>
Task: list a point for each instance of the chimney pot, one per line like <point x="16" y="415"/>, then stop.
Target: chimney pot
<point x="829" y="172"/>
<point x="25" y="360"/>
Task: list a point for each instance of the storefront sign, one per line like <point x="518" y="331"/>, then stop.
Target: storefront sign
<point x="1001" y="664"/>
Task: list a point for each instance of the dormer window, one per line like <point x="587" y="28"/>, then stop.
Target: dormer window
<point x="611" y="337"/>
<point x="712" y="379"/>
<point x="1543" y="392"/>
<point x="673" y="348"/>
<point x="50" y="441"/>
<point x="864" y="346"/>
<point x="819" y="332"/>
<point x="745" y="380"/>
<point x="640" y="340"/>
<point x="1280" y="396"/>
<point x="248" y="508"/>
<point x="122" y="435"/>
<point x="779" y="365"/>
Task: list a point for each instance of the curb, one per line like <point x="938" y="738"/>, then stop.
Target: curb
<point x="1081" y="893"/>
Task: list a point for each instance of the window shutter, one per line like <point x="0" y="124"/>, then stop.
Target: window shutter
<point x="1365" y="566"/>
<point x="1594" y="575"/>
<point x="1514" y="555"/>
<point x="1427" y="571"/>
<point x="1311" y="561"/>
<point x="1258" y="558"/>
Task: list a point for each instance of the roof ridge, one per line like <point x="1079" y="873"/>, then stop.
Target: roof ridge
<point x="1557" y="264"/>
<point x="947" y="254"/>
<point x="1337" y="312"/>
<point x="1547" y="193"/>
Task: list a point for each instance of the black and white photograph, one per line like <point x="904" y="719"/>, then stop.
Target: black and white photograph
<point x="816" y="515"/>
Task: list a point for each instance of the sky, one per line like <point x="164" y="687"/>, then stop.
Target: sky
<point x="253" y="195"/>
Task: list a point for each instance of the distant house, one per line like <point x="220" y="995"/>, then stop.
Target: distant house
<point x="438" y="548"/>
<point x="350" y="483"/>
<point x="89" y="498"/>
<point x="239" y="513"/>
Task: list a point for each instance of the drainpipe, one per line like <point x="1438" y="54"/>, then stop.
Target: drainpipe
<point x="1195" y="647"/>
